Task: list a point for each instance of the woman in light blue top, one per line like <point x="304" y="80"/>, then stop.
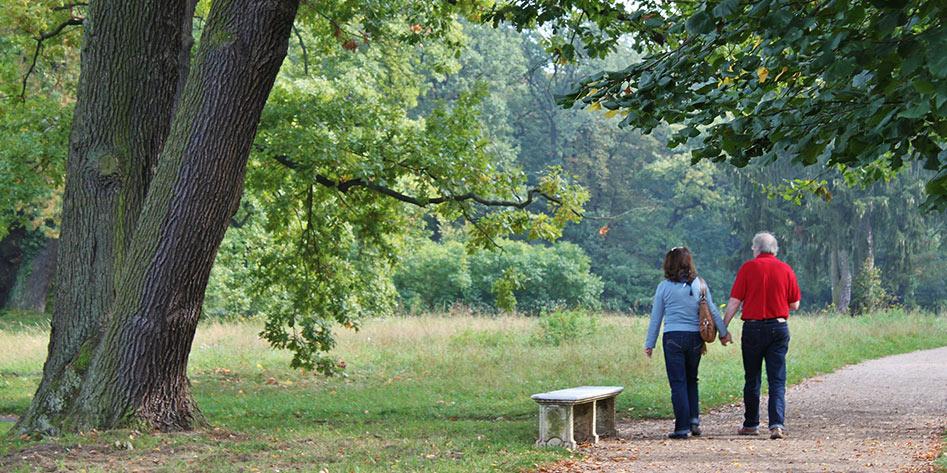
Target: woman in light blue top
<point x="676" y="302"/>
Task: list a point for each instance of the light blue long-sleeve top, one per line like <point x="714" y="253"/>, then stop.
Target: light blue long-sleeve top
<point x="677" y="303"/>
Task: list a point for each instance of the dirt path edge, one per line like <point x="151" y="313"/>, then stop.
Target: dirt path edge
<point x="883" y="415"/>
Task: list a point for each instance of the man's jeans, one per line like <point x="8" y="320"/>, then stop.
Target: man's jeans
<point x="765" y="340"/>
<point x="682" y="358"/>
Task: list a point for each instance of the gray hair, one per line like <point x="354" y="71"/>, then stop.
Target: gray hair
<point x="765" y="242"/>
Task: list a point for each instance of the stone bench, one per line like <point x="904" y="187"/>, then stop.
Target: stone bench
<point x="568" y="417"/>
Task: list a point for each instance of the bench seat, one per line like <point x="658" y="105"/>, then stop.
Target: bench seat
<point x="568" y="417"/>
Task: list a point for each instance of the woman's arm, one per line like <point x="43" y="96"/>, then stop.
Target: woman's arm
<point x="657" y="315"/>
<point x="718" y="320"/>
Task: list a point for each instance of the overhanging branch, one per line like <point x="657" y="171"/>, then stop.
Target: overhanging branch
<point x="72" y="21"/>
<point x="305" y="53"/>
<point x="344" y="186"/>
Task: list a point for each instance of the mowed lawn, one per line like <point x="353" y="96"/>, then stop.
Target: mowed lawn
<point x="432" y="393"/>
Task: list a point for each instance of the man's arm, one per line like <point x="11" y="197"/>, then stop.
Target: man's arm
<point x="794" y="305"/>
<point x="732" y="306"/>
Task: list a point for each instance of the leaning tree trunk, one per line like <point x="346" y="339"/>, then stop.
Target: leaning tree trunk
<point x="137" y="250"/>
<point x="121" y="120"/>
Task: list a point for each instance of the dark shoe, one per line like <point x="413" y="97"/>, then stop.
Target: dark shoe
<point x="777" y="433"/>
<point x="748" y="431"/>
<point x="695" y="430"/>
<point x="677" y="436"/>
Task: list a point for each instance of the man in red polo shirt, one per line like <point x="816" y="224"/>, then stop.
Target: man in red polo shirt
<point x="768" y="290"/>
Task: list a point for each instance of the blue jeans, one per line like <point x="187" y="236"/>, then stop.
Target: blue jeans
<point x="682" y="358"/>
<point x="765" y="340"/>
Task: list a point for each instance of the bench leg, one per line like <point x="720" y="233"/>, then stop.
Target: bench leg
<point x="605" y="418"/>
<point x="585" y="431"/>
<point x="555" y="426"/>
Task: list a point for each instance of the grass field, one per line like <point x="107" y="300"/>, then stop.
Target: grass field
<point x="432" y="393"/>
<point x="942" y="461"/>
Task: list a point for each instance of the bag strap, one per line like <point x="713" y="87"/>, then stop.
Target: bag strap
<point x="703" y="288"/>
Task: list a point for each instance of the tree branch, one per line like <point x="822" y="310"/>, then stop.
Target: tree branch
<point x="302" y="45"/>
<point x="240" y="223"/>
<point x="70" y="6"/>
<point x="73" y="21"/>
<point x="344" y="186"/>
<point x="476" y="225"/>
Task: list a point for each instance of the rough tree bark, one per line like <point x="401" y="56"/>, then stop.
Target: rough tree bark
<point x="148" y="197"/>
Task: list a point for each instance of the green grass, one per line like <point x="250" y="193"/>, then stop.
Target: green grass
<point x="941" y="463"/>
<point x="432" y="393"/>
<point x="23" y="321"/>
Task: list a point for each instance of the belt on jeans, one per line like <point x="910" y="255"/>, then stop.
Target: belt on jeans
<point x="766" y="321"/>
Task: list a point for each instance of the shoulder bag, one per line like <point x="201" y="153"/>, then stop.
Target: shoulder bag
<point x="708" y="331"/>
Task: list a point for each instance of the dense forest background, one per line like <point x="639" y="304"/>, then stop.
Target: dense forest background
<point x="852" y="246"/>
<point x="646" y="199"/>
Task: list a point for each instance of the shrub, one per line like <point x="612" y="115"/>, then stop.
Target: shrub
<point x="868" y="293"/>
<point x="437" y="275"/>
<point x="434" y="277"/>
<point x="565" y="325"/>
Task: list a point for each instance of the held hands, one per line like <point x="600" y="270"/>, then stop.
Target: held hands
<point x="647" y="351"/>
<point x="724" y="340"/>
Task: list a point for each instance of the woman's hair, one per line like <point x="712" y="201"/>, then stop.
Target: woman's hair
<point x="679" y="266"/>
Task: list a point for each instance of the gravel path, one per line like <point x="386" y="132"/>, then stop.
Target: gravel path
<point x="885" y="415"/>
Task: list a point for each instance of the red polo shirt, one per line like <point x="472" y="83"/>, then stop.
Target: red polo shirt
<point x="766" y="286"/>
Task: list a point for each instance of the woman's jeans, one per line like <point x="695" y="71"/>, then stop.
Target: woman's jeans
<point x="682" y="358"/>
<point x="765" y="340"/>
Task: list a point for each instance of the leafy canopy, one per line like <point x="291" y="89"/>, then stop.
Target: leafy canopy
<point x="345" y="165"/>
<point x="857" y="85"/>
<point x="38" y="68"/>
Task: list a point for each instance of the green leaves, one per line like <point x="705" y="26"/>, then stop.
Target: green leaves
<point x="33" y="136"/>
<point x="726" y="8"/>
<point x="527" y="277"/>
<point x="700" y="23"/>
<point x="840" y="82"/>
<point x="345" y="168"/>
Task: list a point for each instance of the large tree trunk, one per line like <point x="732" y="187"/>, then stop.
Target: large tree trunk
<point x="137" y="250"/>
<point x="126" y="83"/>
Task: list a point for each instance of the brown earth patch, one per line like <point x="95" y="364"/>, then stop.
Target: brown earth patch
<point x="114" y="456"/>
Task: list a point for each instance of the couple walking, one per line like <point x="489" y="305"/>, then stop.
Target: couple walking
<point x="767" y="290"/>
